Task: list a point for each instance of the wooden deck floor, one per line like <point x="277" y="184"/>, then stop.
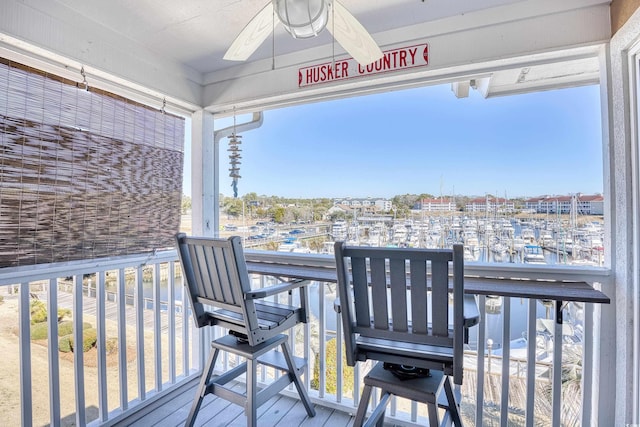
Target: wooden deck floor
<point x="172" y="411"/>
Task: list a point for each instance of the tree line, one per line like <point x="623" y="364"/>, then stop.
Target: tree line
<point x="288" y="210"/>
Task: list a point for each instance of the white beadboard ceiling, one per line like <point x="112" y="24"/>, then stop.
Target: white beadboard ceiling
<point x="175" y="47"/>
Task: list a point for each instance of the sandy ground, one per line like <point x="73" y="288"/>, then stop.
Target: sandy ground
<point x="10" y="403"/>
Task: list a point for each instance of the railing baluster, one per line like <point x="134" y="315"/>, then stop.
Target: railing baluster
<point x="78" y="356"/>
<point x="531" y="361"/>
<point x="482" y="303"/>
<point x="25" y="356"/>
<point x="54" y="360"/>
<point x="186" y="348"/>
<point x="588" y="351"/>
<point x="171" y="320"/>
<point x="414" y="411"/>
<point x="307" y="347"/>
<point x="506" y="340"/>
<point x="322" y="346"/>
<point x="393" y="406"/>
<point x="139" y="304"/>
<point x="356" y="385"/>
<point x="292" y="334"/>
<point x="122" y="340"/>
<point x="263" y="282"/>
<point x="157" y="327"/>
<point x="556" y="388"/>
<point x="101" y="326"/>
<point x="339" y="367"/>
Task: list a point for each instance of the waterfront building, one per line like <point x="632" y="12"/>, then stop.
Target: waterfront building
<point x="369" y="203"/>
<point x="582" y="204"/>
<point x="384" y="205"/>
<point x="490" y="204"/>
<point x="441" y="204"/>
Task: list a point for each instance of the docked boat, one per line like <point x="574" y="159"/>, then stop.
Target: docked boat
<point x="533" y="255"/>
<point x="292" y="245"/>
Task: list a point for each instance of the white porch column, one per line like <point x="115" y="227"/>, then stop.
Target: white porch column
<point x="204" y="175"/>
<point x="623" y="129"/>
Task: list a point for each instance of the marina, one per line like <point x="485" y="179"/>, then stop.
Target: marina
<point x="515" y="240"/>
<point x="528" y="241"/>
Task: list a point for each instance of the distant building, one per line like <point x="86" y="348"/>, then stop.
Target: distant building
<point x="383" y="205"/>
<point x="370" y="203"/>
<point x="490" y="204"/>
<point x="339" y="230"/>
<point x="584" y="204"/>
<point x="442" y="204"/>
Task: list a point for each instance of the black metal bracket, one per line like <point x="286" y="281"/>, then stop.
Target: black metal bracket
<point x="560" y="305"/>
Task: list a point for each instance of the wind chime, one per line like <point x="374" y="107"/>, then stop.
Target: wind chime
<point x="234" y="158"/>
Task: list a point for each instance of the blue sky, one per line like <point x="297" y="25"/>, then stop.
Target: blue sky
<point x="425" y="140"/>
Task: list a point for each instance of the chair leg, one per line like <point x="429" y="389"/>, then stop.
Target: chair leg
<point x="251" y="408"/>
<point x="377" y="415"/>
<point x="202" y="388"/>
<point x="434" y="419"/>
<point x="293" y="372"/>
<point x="362" y="407"/>
<point x="454" y="408"/>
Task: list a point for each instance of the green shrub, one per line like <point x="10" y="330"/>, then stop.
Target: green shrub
<point x="331" y="371"/>
<point x="39" y="331"/>
<point x="38" y="312"/>
<point x="65" y="328"/>
<point x="111" y="346"/>
<point x="62" y="313"/>
<point x="89" y="338"/>
<point x="1" y="299"/>
<point x="64" y="344"/>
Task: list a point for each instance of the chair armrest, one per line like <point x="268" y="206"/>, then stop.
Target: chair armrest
<point x="276" y="289"/>
<point x="471" y="312"/>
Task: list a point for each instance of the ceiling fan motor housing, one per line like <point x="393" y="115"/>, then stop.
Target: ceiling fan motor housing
<point x="303" y="18"/>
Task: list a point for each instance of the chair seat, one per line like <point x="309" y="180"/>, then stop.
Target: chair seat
<point x="406" y="350"/>
<point x="423" y="389"/>
<point x="270" y="315"/>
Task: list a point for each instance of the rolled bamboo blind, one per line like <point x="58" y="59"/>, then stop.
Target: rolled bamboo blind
<point x="83" y="174"/>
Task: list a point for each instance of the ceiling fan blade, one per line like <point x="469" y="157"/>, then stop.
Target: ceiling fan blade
<point x="352" y="36"/>
<point x="253" y="35"/>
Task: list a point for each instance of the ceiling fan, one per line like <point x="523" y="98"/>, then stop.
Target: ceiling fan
<point x="304" y="19"/>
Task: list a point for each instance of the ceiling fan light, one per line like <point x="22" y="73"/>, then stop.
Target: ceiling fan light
<point x="302" y="18"/>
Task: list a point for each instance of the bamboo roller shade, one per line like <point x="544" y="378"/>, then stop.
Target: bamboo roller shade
<point x="83" y="174"/>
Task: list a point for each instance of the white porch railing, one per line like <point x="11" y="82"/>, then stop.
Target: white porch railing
<point x="135" y="305"/>
<point x="143" y="342"/>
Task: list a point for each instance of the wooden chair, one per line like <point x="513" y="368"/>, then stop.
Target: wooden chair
<point x="216" y="276"/>
<point x="394" y="305"/>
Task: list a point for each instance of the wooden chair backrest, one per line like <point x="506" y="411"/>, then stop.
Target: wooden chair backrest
<point x="389" y="297"/>
<point x="216" y="274"/>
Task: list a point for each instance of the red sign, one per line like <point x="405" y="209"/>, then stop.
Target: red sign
<point x="393" y="60"/>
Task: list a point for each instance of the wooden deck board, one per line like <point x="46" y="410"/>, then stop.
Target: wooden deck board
<point x="278" y="411"/>
<point x="321" y="418"/>
<point x="338" y="419"/>
<point x="297" y="415"/>
<point x="167" y="412"/>
<point x="275" y="413"/>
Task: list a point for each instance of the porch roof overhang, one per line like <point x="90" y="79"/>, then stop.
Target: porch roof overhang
<point x="149" y="50"/>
